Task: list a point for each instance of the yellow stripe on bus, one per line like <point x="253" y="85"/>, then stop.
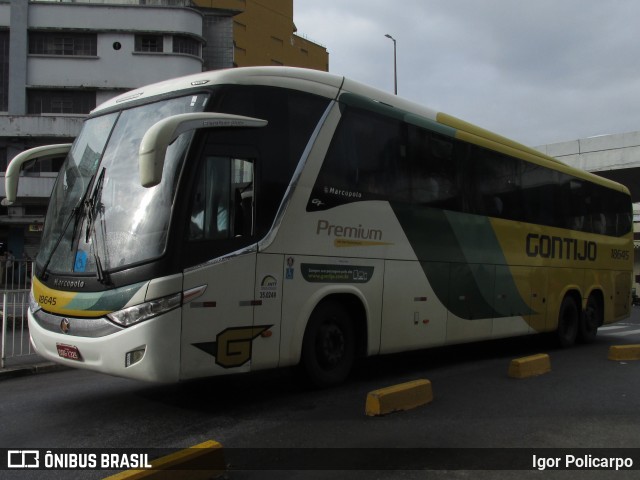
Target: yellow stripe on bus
<point x="56" y="301"/>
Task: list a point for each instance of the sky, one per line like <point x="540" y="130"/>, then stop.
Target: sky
<point x="536" y="71"/>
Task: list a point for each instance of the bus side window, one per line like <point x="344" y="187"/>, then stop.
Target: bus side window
<point x="243" y="188"/>
<point x="365" y="161"/>
<point x="433" y="172"/>
<point x="496" y="184"/>
<point x="371" y="151"/>
<point x="222" y="203"/>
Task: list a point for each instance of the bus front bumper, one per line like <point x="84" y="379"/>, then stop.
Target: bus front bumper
<point x="147" y="351"/>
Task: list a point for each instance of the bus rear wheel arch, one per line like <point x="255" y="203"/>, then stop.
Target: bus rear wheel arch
<point x="592" y="317"/>
<point x="568" y="321"/>
<point x="332" y="341"/>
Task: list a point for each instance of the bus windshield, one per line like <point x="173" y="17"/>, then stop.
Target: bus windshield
<point x="99" y="216"/>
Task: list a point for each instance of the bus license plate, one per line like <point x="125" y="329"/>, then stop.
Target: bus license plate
<point x="68" y="351"/>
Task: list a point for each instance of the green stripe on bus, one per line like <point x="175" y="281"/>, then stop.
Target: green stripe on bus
<point x="462" y="260"/>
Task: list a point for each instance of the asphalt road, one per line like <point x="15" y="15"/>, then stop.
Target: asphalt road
<point x="586" y="402"/>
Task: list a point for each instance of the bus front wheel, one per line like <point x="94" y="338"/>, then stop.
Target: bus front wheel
<point x="328" y="348"/>
<point x="568" y="322"/>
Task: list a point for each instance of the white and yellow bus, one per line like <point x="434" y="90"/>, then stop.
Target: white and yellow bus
<point x="247" y="219"/>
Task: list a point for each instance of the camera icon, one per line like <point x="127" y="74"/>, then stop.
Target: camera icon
<point x="23" y="459"/>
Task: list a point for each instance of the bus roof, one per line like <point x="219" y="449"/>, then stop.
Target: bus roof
<point x="313" y="81"/>
<point x="332" y="86"/>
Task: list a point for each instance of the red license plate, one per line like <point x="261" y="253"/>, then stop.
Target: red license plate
<point x="69" y="351"/>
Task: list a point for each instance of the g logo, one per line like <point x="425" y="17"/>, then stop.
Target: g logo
<point x="233" y="345"/>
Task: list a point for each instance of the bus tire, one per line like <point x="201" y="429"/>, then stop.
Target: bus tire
<point x="328" y="347"/>
<point x="590" y="321"/>
<point x="568" y="322"/>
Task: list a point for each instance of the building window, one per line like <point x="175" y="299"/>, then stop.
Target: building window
<point x="186" y="45"/>
<point x="60" y="101"/>
<point x="63" y="43"/>
<point x="44" y="165"/>
<point x="3" y="159"/>
<point x="149" y="43"/>
<point x="4" y="71"/>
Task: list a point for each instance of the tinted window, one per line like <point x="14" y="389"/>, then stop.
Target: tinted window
<point x="222" y="205"/>
<point x="367" y="160"/>
<point x="292" y="118"/>
<point x="495" y="185"/>
<point x="236" y="178"/>
<point x="433" y="169"/>
<point x="375" y="157"/>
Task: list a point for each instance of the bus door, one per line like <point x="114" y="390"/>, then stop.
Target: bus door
<point x="267" y="313"/>
<point x="220" y="260"/>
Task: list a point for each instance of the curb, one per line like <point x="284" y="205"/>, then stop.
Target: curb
<point x="200" y="462"/>
<point x="624" y="352"/>
<point x="531" y="366"/>
<point x="404" y="396"/>
<point x="32" y="369"/>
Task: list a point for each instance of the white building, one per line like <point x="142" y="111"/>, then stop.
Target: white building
<point x="59" y="59"/>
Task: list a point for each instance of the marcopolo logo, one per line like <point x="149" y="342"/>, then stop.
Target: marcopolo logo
<point x="68" y="283"/>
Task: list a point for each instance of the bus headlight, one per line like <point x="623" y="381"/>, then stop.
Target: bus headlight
<point x="139" y="313"/>
<point x="34" y="306"/>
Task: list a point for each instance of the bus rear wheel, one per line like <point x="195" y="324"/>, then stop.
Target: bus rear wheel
<point x="590" y="321"/>
<point x="568" y="322"/>
<point x="328" y="348"/>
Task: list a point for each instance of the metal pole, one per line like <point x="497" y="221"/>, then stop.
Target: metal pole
<point x="395" y="64"/>
<point x="4" y="315"/>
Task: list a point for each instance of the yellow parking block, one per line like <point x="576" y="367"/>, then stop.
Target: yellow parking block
<point x="531" y="366"/>
<point x="624" y="352"/>
<point x="204" y="461"/>
<point x="404" y="396"/>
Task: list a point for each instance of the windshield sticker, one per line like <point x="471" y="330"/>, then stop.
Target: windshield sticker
<point x="336" y="273"/>
<point x="81" y="261"/>
<point x="289" y="270"/>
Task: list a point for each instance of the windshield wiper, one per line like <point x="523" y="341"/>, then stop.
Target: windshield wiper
<point x="93" y="205"/>
<point x="76" y="215"/>
<point x="78" y="209"/>
<point x="92" y="208"/>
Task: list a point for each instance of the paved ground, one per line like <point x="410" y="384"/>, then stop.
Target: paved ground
<point x="587" y="402"/>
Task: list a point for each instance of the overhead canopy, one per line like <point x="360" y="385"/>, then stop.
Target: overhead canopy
<point x="630" y="177"/>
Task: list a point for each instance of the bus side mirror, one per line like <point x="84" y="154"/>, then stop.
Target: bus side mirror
<point x="157" y="139"/>
<point x="13" y="169"/>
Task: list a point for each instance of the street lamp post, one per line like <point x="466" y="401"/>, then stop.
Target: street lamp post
<point x="395" y="65"/>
